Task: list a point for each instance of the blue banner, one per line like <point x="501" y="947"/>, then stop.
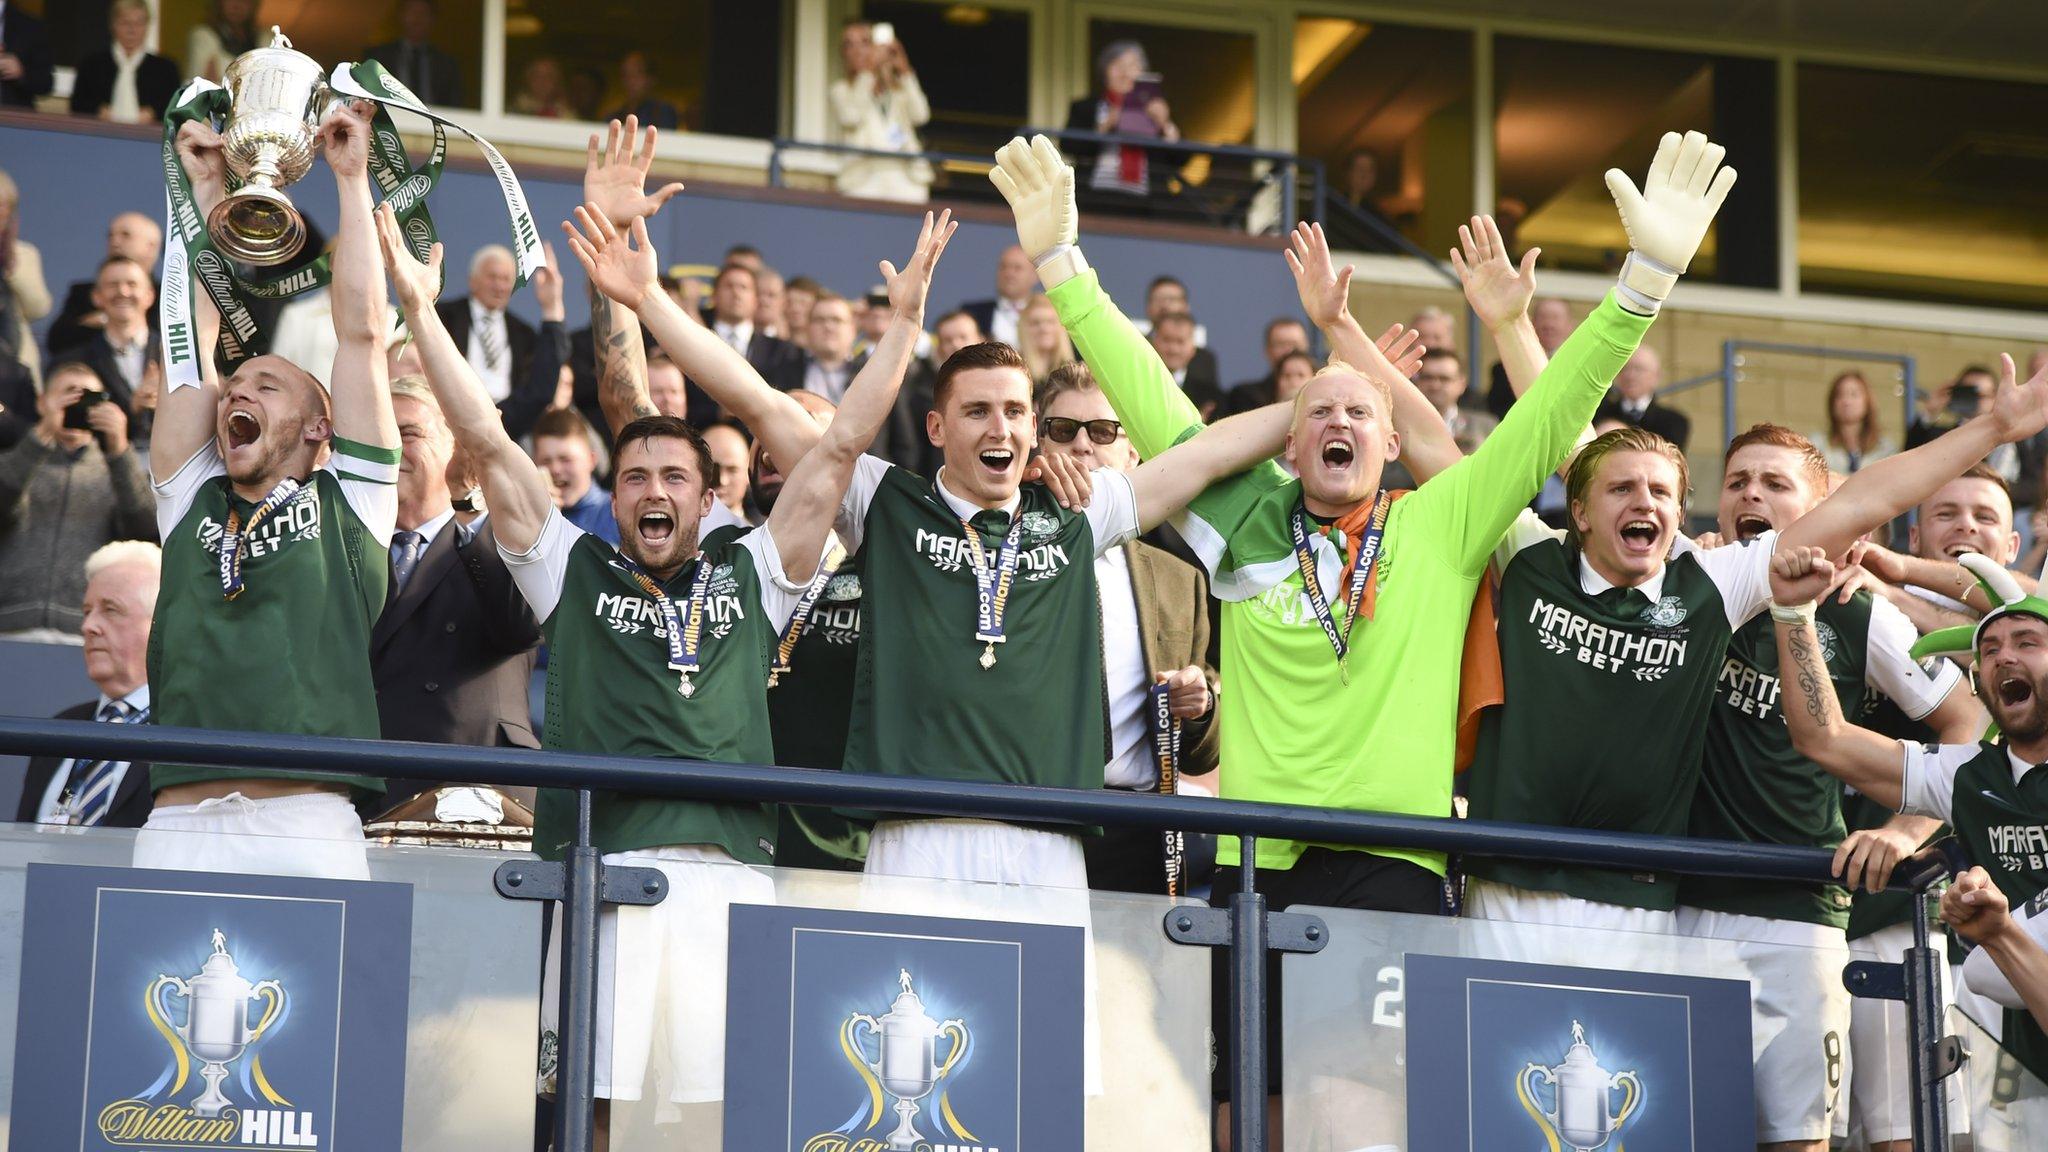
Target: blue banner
<point x="174" y="1010"/>
<point x="1537" y="1056"/>
<point x="863" y="1032"/>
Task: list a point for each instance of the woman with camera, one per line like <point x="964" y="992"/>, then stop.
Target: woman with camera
<point x="878" y="105"/>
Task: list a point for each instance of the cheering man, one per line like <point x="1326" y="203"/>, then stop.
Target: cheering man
<point x="276" y="510"/>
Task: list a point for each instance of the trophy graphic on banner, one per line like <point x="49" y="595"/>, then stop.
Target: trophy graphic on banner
<point x="908" y="1067"/>
<point x="277" y="96"/>
<point x="216" y="1030"/>
<point x="1584" y="1091"/>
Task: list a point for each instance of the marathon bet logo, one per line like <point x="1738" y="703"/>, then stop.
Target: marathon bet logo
<point x="1755" y="693"/>
<point x="2019" y="847"/>
<point x="1646" y="656"/>
<point x="949" y="552"/>
<point x="296" y="520"/>
<point x="629" y="614"/>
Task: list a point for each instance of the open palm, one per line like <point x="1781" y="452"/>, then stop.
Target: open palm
<point x="1325" y="291"/>
<point x="1498" y="291"/>
<point x="621" y="264"/>
<point x="907" y="289"/>
<point x="2020" y="409"/>
<point x="615" y="178"/>
<point x="417" y="284"/>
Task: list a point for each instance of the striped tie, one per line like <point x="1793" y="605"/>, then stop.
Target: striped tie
<point x="93" y="798"/>
<point x="493" y="341"/>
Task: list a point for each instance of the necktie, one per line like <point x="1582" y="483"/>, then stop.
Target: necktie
<point x="493" y="340"/>
<point x="1625" y="603"/>
<point x="405" y="556"/>
<point x="993" y="522"/>
<point x="92" y="791"/>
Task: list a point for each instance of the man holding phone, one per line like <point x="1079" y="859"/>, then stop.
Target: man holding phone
<point x="71" y="485"/>
<point x="878" y="106"/>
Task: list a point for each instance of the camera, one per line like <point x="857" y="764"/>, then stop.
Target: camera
<point x="884" y="35"/>
<point x="77" y="413"/>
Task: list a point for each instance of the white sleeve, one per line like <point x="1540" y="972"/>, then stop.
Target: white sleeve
<point x="1741" y="572"/>
<point x="1888" y="664"/>
<point x="1527" y="531"/>
<point x="174" y="496"/>
<point x="1112" y="509"/>
<point x="540" y="570"/>
<point x="1981" y="973"/>
<point x="868" y="472"/>
<point x="369" y="482"/>
<point x="1929" y="788"/>
<point x="778" y="594"/>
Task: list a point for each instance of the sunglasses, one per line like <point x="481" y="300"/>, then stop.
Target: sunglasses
<point x="1063" y="429"/>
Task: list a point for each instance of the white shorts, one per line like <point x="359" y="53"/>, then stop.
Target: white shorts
<point x="311" y="834"/>
<point x="1799" y="1016"/>
<point x="1536" y="927"/>
<point x="1042" y="875"/>
<point x="660" y="977"/>
<point x="1880" y="1095"/>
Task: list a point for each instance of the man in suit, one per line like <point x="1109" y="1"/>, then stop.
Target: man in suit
<point x="1173" y="336"/>
<point x="130" y="235"/>
<point x="433" y="75"/>
<point x="1155" y="630"/>
<point x="453" y="651"/>
<point x="125" y="82"/>
<point x="1016" y="280"/>
<point x="25" y="71"/>
<point x="124" y="351"/>
<point x="831" y="365"/>
<point x="1552" y="319"/>
<point x="733" y="309"/>
<point x="1634" y="399"/>
<point x="120" y="600"/>
<point x="498" y="344"/>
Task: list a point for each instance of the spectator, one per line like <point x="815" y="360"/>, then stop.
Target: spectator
<point x="1855" y="435"/>
<point x="1294" y="372"/>
<point x="1173" y="337"/>
<point x="1634" y="399"/>
<point x="543" y="92"/>
<point x="24" y="296"/>
<point x="1043" y="342"/>
<point x="831" y="364"/>
<point x="1155" y="629"/>
<point x="666" y="388"/>
<point x="1435" y="327"/>
<point x="770" y="292"/>
<point x="120" y="598"/>
<point x="1552" y="320"/>
<point x="1122" y="177"/>
<point x="453" y="649"/>
<point x="214" y="44"/>
<point x="586" y="92"/>
<point x="498" y="344"/>
<point x="67" y="488"/>
<point x="433" y="75"/>
<point x="1365" y="226"/>
<point x="798" y="296"/>
<point x="125" y="82"/>
<point x="124" y="353"/>
<point x="878" y="105"/>
<point x="565" y="447"/>
<point x="1442" y="380"/>
<point x="1284" y="336"/>
<point x="734" y="305"/>
<point x="731" y="452"/>
<point x="746" y="256"/>
<point x="25" y="71"/>
<point x="131" y="236"/>
<point x="636" y="81"/>
<point x="1016" y="283"/>
<point x="1969" y="394"/>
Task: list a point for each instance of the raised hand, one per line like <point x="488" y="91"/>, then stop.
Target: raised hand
<point x="204" y="156"/>
<point x="1040" y="188"/>
<point x="344" y="137"/>
<point x="1975" y="907"/>
<point x="1800" y="575"/>
<point x="1668" y="219"/>
<point x="2020" y="409"/>
<point x="1498" y="291"/>
<point x="1403" y="349"/>
<point x="621" y="264"/>
<point x="907" y="289"/>
<point x="615" y="178"/>
<point x="416" y="284"/>
<point x="1325" y="290"/>
<point x="547" y="286"/>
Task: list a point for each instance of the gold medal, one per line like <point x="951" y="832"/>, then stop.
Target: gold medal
<point x="988" y="655"/>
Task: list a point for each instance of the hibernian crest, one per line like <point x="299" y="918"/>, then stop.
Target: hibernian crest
<point x="845" y="586"/>
<point x="1669" y="613"/>
<point x="1041" y="526"/>
<point x="1826" y="633"/>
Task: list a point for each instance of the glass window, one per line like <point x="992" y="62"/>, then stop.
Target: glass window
<point x="1933" y="190"/>
<point x="973" y="62"/>
<point x="692" y="64"/>
<point x="1565" y="113"/>
<point x="433" y="45"/>
<point x="1388" y="110"/>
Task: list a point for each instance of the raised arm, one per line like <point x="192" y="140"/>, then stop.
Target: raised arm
<point x="1886" y="489"/>
<point x="1871" y="764"/>
<point x="615" y="179"/>
<point x="810" y="499"/>
<point x="360" y="381"/>
<point x="1944" y="577"/>
<point x="518" y="497"/>
<point x="185" y="417"/>
<point x="1167" y="483"/>
<point x="2009" y="966"/>
<point x="530" y="397"/>
<point x="1499" y="293"/>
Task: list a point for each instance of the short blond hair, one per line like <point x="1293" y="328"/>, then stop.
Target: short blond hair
<point x="1340" y="367"/>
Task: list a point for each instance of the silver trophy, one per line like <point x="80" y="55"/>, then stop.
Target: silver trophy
<point x="278" y="95"/>
<point x="909" y="1067"/>
<point x="1583" y="1119"/>
<point x="216" y="1030"/>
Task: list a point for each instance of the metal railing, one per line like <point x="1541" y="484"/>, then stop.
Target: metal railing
<point x="1732" y="363"/>
<point x="582" y="883"/>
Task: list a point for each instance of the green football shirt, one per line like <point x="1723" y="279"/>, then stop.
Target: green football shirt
<point x="1607" y="695"/>
<point x="610" y="688"/>
<point x="809" y="707"/>
<point x="291" y="652"/>
<point x="1757" y="789"/>
<point x="1378" y="734"/>
<point x="1871" y="911"/>
<point x="924" y="704"/>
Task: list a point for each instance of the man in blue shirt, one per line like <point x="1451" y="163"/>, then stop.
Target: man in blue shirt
<point x="566" y="449"/>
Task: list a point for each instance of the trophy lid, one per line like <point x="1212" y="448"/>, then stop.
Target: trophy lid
<point x="278" y="55"/>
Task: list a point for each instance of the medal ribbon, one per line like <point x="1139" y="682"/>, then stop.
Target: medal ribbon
<point x="992" y="581"/>
<point x="1361" y="574"/>
<point x="1166" y="753"/>
<point x="685" y="624"/>
<point x="231" y="537"/>
<point x="794" y="630"/>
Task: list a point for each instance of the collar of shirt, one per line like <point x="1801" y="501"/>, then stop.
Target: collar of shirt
<point x="965" y="509"/>
<point x="136" y="700"/>
<point x="432" y="528"/>
<point x="125" y="61"/>
<point x="739" y="335"/>
<point x="1594" y="583"/>
<point x="2020" y="767"/>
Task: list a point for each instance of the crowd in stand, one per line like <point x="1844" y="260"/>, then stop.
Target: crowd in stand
<point x="1020" y="540"/>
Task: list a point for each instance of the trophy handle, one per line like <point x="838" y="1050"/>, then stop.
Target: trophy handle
<point x="160" y="1016"/>
<point x="957" y="1029"/>
<point x="159" y="1007"/>
<point x="273" y="992"/>
<point x="1631" y="1098"/>
<point x="857" y="1055"/>
<point x="1525" y="1091"/>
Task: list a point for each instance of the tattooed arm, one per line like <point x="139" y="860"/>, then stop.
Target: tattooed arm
<point x="621" y="361"/>
<point x="1872" y="764"/>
